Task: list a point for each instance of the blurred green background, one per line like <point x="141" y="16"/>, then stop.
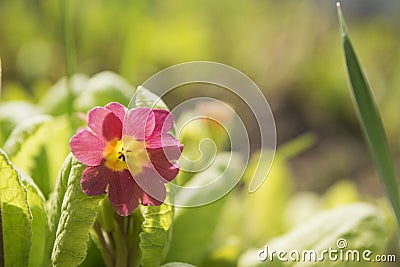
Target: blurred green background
<point x="290" y="49"/>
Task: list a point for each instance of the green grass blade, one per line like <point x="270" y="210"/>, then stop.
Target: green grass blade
<point x="0" y="76"/>
<point x="69" y="49"/>
<point x="370" y="120"/>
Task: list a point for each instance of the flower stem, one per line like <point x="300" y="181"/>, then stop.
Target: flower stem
<point x="117" y="237"/>
<point x="134" y="230"/>
<point x="106" y="248"/>
<point x="120" y="249"/>
<point x="68" y="52"/>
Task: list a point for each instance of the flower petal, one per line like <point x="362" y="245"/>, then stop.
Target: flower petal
<point x="163" y="140"/>
<point x="169" y="153"/>
<point x="96" y="118"/>
<point x="163" y="161"/>
<point x="87" y="148"/>
<point x="112" y="127"/>
<point x="118" y="109"/>
<point x="148" y="200"/>
<point x="105" y="124"/>
<point x="123" y="192"/>
<point x="94" y="180"/>
<point x="139" y="123"/>
<point x="150" y="181"/>
<point x="164" y="121"/>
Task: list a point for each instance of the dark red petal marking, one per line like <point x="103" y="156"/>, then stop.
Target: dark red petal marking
<point x="164" y="121"/>
<point x="112" y="127"/>
<point x="165" y="140"/>
<point x="94" y="180"/>
<point x="123" y="192"/>
<point x="96" y="118"/>
<point x="150" y="181"/>
<point x="139" y="123"/>
<point x="118" y="109"/>
<point x="163" y="161"/>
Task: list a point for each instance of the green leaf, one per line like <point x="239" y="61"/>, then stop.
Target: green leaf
<point x="254" y="222"/>
<point x="249" y="216"/>
<point x="56" y="100"/>
<point x="193" y="232"/>
<point x="40" y="227"/>
<point x="15" y="216"/>
<point x="370" y="120"/>
<point x="54" y="151"/>
<point x="40" y="171"/>
<point x="12" y="113"/>
<point x="103" y="88"/>
<point x="25" y="148"/>
<point x="193" y="228"/>
<point x="78" y="213"/>
<point x="56" y="200"/>
<point x="361" y="225"/>
<point x="177" y="264"/>
<point x="156" y="234"/>
<point x="30" y="145"/>
<point x="145" y="98"/>
<point x="22" y="133"/>
<point x="342" y="192"/>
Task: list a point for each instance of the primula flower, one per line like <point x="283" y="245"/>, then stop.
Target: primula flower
<point x="129" y="155"/>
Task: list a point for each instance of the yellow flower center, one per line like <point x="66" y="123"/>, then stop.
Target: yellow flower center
<point x="114" y="155"/>
<point x="135" y="154"/>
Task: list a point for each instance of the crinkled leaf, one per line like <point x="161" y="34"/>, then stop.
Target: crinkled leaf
<point x="40" y="227"/>
<point x="15" y="216"/>
<point x="370" y="121"/>
<point x="156" y="234"/>
<point x="78" y="212"/>
<point x="362" y="226"/>
<point x="56" y="200"/>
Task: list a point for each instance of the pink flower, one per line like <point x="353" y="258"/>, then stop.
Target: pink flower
<point x="129" y="155"/>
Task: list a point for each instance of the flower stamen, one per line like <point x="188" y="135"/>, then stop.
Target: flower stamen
<point x="121" y="155"/>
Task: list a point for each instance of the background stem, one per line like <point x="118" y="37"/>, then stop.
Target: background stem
<point x="69" y="49"/>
